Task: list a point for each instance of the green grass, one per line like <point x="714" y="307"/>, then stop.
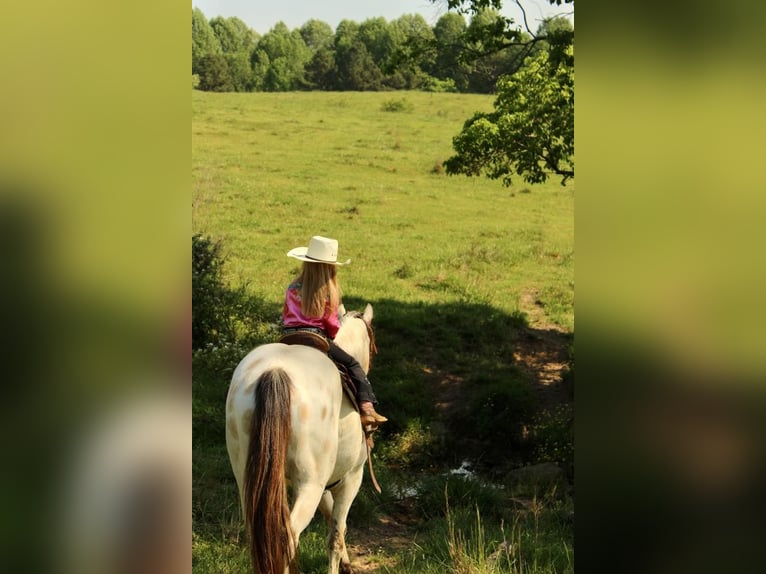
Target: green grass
<point x="270" y="170"/>
<point x="459" y="270"/>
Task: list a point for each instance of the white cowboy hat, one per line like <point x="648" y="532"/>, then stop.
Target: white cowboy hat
<point x="320" y="250"/>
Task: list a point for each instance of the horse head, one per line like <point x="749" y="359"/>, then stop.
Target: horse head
<point x="357" y="337"/>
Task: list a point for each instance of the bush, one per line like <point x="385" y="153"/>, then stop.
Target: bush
<point x="431" y="84"/>
<point x="221" y="316"/>
<point x="552" y="436"/>
<point x="394" y="105"/>
<point x="499" y="406"/>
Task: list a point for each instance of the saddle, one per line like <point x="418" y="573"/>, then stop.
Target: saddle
<point x="308" y="338"/>
<point x="317" y="341"/>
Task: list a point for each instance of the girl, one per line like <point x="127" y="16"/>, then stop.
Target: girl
<point x="311" y="303"/>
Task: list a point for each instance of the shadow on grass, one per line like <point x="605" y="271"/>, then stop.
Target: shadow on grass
<point x="469" y="374"/>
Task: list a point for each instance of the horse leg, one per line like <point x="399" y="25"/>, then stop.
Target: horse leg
<point x="325" y="507"/>
<point x="306" y="499"/>
<point x="343" y="496"/>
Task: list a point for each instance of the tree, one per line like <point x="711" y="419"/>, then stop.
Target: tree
<point x="378" y="39"/>
<point x="356" y="69"/>
<point x="531" y="131"/>
<point x="204" y="40"/>
<point x="317" y="34"/>
<point x="448" y="34"/>
<point x="321" y="72"/>
<point x="487" y="63"/>
<point x="237" y="43"/>
<point x="240" y="71"/>
<point x="279" y="59"/>
<point x="214" y="75"/>
<point x="233" y="35"/>
<point x="416" y="51"/>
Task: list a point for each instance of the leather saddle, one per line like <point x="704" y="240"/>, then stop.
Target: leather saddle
<point x="317" y="341"/>
<point x="308" y="338"/>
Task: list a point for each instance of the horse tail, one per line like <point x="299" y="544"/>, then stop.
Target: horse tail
<point x="267" y="513"/>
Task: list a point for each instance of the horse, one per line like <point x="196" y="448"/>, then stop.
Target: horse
<point x="290" y="425"/>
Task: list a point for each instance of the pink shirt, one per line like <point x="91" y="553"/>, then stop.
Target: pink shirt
<point x="293" y="317"/>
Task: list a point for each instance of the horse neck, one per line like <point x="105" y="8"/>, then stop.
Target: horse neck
<point x="353" y="338"/>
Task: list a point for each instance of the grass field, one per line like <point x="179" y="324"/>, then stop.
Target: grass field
<point x="473" y="289"/>
<point x="271" y="170"/>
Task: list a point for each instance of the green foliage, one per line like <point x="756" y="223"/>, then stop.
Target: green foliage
<point x="356" y="68"/>
<point x="237" y="43"/>
<point x="214" y="75"/>
<point x="440" y="492"/>
<point x="233" y="35"/>
<point x="222" y="317"/>
<point x="396" y="105"/>
<point x="448" y="64"/>
<point x="204" y="40"/>
<point x="317" y="34"/>
<point x="321" y="71"/>
<point x="240" y="72"/>
<point x="413" y="447"/>
<point x="531" y="131"/>
<point x="279" y="60"/>
<point x="498" y="408"/>
<point x="415" y="55"/>
<point x="552" y="436"/>
<point x="405" y="53"/>
<point x="431" y="84"/>
<point x="195" y="81"/>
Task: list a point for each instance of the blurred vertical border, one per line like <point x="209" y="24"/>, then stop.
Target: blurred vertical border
<point x="94" y="289"/>
<point x="670" y="269"/>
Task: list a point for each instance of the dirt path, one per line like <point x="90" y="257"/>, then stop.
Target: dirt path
<point x="373" y="547"/>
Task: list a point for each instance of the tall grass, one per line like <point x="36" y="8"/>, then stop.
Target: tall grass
<point x="463" y="541"/>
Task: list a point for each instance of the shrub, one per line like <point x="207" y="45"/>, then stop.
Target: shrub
<point x="221" y="316"/>
<point x="552" y="436"/>
<point x="396" y="105"/>
<point x="498" y="408"/>
<point x="431" y="84"/>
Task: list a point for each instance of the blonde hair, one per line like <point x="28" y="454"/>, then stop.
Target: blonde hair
<point x="319" y="287"/>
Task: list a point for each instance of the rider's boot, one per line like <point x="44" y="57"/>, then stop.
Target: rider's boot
<point x="369" y="415"/>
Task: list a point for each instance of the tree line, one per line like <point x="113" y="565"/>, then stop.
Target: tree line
<point x="405" y="53"/>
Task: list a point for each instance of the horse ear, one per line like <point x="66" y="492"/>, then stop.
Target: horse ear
<point x="368" y="314"/>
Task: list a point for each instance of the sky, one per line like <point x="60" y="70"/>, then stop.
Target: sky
<point x="261" y="15"/>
